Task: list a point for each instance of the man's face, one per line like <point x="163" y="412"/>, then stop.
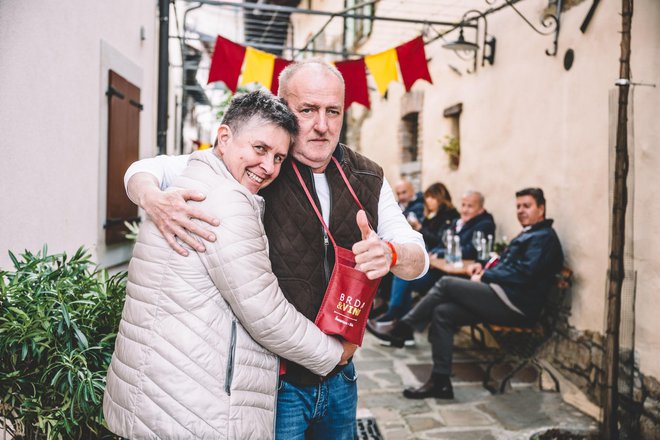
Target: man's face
<point x="404" y="192"/>
<point x="470" y="207"/>
<point x="254" y="155"/>
<point x="316" y="97"/>
<point x="529" y="213"/>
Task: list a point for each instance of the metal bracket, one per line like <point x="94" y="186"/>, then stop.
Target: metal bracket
<point x="550" y="23"/>
<point x="114" y="92"/>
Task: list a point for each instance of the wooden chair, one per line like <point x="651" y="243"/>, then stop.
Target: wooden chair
<point x="521" y="345"/>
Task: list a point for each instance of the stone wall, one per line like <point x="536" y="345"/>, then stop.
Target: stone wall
<point x="578" y="355"/>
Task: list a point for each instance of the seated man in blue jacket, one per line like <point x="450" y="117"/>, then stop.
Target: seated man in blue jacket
<point x="474" y="217"/>
<point x="510" y="293"/>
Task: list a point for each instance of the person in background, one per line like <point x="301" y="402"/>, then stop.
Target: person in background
<point x="309" y="405"/>
<point x="196" y="351"/>
<point x="439" y="212"/>
<point x="509" y="293"/>
<point x="474" y="217"/>
<point x="411" y="203"/>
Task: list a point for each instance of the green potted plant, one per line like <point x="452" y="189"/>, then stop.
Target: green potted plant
<point x="58" y="318"/>
<point x="452" y="147"/>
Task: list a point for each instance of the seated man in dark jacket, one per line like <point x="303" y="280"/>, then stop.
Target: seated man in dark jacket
<point x="474" y="217"/>
<point x="511" y="293"/>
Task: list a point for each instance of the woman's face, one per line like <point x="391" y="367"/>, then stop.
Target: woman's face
<point x="431" y="203"/>
<point x="255" y="154"/>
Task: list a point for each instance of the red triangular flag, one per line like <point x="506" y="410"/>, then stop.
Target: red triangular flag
<point x="412" y="62"/>
<point x="355" y="78"/>
<point x="280" y="64"/>
<point x="226" y="63"/>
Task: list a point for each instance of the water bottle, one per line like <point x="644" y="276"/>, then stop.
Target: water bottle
<point x="458" y="253"/>
<point x="449" y="248"/>
<point x="490" y="243"/>
<point x="483" y="251"/>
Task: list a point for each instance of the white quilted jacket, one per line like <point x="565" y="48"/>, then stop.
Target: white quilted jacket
<point x="186" y="362"/>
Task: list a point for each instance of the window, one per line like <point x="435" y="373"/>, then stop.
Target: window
<point x="409" y="137"/>
<point x="356" y="30"/>
<point x="123" y="149"/>
<point x="452" y="141"/>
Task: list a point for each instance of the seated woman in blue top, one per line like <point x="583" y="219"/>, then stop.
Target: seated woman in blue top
<point x="439" y="212"/>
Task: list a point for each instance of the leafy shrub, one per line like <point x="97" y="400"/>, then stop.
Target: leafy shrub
<point x="58" y="322"/>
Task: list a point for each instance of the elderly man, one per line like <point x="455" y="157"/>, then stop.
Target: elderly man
<point x="409" y="201"/>
<point x="308" y="405"/>
<point x="474" y="217"/>
<point x="511" y="292"/>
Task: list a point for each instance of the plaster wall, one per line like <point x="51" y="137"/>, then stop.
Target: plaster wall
<point x="645" y="68"/>
<point x="53" y="118"/>
<point x="527" y="121"/>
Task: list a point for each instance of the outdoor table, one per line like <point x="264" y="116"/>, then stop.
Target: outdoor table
<point x="449" y="268"/>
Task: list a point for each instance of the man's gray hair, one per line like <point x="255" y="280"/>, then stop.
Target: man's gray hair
<point x="290" y="70"/>
<point x="480" y="197"/>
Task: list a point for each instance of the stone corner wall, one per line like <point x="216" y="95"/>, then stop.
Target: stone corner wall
<point x="578" y="355"/>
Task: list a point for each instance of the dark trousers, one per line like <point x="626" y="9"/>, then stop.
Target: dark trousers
<point x="452" y="303"/>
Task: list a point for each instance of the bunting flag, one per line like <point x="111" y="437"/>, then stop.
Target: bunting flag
<point x="278" y="67"/>
<point x="226" y="63"/>
<point x="412" y="62"/>
<point x="355" y="78"/>
<point x="383" y="68"/>
<point x="259" y="66"/>
<point x="264" y="68"/>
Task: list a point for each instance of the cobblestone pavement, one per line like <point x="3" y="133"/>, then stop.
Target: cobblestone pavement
<point x="474" y="413"/>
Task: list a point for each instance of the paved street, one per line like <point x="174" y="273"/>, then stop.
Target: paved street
<point x="473" y="414"/>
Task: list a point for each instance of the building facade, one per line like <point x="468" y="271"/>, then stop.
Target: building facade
<point x="78" y="100"/>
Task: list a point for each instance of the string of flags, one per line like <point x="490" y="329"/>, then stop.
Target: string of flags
<point x="232" y="61"/>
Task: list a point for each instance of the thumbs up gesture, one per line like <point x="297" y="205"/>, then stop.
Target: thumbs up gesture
<point x="372" y="255"/>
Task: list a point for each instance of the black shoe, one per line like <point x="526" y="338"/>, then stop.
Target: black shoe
<point x="434" y="387"/>
<point x="395" y="332"/>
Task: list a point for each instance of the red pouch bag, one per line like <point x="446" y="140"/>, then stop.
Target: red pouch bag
<point x="348" y="298"/>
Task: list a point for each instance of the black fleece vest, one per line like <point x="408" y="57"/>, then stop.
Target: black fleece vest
<point x="300" y="259"/>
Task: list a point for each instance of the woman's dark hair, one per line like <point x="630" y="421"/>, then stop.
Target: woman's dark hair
<point x="439" y="192"/>
<point x="264" y="105"/>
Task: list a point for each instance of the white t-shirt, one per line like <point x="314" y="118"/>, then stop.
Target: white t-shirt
<point x="392" y="225"/>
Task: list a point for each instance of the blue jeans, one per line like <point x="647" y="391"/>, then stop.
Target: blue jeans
<point x="401" y="293"/>
<point x="320" y="412"/>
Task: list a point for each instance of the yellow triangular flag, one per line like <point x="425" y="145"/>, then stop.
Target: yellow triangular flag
<point x="383" y="68"/>
<point x="258" y="67"/>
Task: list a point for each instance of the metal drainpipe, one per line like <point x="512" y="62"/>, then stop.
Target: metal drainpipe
<point x="163" y="74"/>
<point x="184" y="95"/>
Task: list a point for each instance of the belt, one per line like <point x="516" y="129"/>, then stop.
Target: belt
<point x="301" y="376"/>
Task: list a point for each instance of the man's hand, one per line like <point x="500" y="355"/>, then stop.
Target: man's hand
<point x="415" y="224"/>
<point x="170" y="212"/>
<point x="349" y="350"/>
<point x="475" y="270"/>
<point x="372" y="255"/>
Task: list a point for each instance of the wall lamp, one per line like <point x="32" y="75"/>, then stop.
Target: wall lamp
<point x="485" y="51"/>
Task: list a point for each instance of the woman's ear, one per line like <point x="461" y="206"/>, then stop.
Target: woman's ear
<point x="224" y="136"/>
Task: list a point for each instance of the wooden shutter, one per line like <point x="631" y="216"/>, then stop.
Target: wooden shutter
<point x="123" y="149"/>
